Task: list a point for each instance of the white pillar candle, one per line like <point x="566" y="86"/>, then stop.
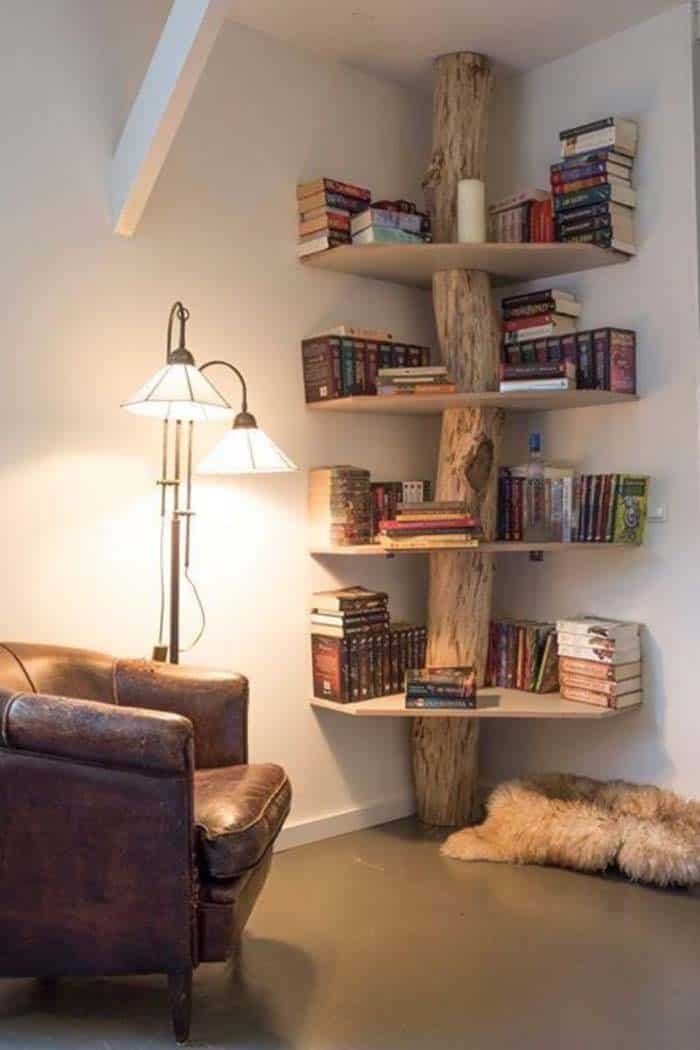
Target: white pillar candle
<point x="471" y="210"/>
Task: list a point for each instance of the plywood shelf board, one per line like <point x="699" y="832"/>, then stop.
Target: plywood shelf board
<point x="434" y="404"/>
<point x="375" y="550"/>
<point x="415" y="264"/>
<point x="491" y="703"/>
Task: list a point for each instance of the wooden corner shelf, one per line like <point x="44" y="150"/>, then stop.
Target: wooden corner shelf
<point x="375" y="550"/>
<point x="433" y="404"/>
<point x="415" y="264"/>
<point x="492" y="702"/>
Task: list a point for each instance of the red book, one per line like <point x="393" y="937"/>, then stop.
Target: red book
<point x="465" y="521"/>
<point x="518" y="324"/>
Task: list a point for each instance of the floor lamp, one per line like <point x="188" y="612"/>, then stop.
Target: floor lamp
<point x="181" y="395"/>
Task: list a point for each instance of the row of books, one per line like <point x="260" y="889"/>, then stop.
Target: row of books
<point x="565" y="507"/>
<point x="436" y="524"/>
<point x="441" y="688"/>
<point x="524" y="217"/>
<point x="537" y="317"/>
<point x="592" y="184"/>
<point x="391" y="222"/>
<point x="522" y="654"/>
<point x="600" y="661"/>
<point x="338" y="364"/>
<point x="357" y="652"/>
<point x="596" y="359"/>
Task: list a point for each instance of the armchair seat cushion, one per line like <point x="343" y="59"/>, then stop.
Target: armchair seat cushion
<point x="238" y="811"/>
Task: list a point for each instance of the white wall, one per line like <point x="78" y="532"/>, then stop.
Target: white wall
<point x="644" y="72"/>
<point x="84" y="325"/>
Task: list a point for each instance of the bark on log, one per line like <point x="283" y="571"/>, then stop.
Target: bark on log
<point x="445" y="750"/>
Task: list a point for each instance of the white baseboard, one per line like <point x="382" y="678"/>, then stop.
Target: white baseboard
<point x="327" y="827"/>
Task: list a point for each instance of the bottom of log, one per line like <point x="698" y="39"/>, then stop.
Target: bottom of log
<point x="445" y="770"/>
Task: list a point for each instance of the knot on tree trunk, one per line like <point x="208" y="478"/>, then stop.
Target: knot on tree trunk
<point x="478" y="464"/>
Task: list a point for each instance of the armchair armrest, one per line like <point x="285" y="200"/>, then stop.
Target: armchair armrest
<point x="89" y="731"/>
<point x="216" y="703"/>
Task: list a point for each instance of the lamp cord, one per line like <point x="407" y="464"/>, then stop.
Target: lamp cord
<point x="202" y="614"/>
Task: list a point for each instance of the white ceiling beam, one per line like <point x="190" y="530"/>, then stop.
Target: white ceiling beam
<point x="177" y="63"/>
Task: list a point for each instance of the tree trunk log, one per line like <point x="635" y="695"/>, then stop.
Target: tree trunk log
<point x="445" y="750"/>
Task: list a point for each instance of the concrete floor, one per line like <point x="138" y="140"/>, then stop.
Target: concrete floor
<point x="372" y="941"/>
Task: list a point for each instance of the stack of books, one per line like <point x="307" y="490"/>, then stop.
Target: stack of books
<point x="390" y="222"/>
<point x="592" y="184"/>
<point x="534" y="325"/>
<point x="357" y="653"/>
<point x="345" y="361"/>
<point x="339" y="506"/>
<point x="425" y="379"/>
<point x="441" y="688"/>
<point x="600" y="661"/>
<point x="325" y="207"/>
<point x="522" y="655"/>
<point x="387" y="496"/>
<point x="430" y="525"/>
<point x="584" y="508"/>
<point x="524" y="217"/>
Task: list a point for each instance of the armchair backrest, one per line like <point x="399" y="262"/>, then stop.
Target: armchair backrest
<point x="57" y="671"/>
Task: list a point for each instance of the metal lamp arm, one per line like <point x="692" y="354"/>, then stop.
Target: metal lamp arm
<point x="182" y="313"/>
<point x="227" y="364"/>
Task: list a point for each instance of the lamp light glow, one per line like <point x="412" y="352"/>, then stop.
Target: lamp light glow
<point x="179" y="391"/>
<point x="246" y="449"/>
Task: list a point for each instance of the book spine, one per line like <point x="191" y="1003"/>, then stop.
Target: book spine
<point x="586" y="129"/>
<point x="439" y="703"/>
<point x="371" y="367"/>
<point x="584" y="352"/>
<point x="622" y="364"/>
<point x="321" y="368"/>
<point x="347" y="189"/>
<point x="582" y="198"/>
<point x="601" y="359"/>
<point x="573" y="216"/>
<point x="565" y="171"/>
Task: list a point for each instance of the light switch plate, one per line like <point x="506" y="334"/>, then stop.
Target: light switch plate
<point x="657" y="513"/>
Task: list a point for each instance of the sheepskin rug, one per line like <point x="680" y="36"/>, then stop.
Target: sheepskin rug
<point x="576" y="822"/>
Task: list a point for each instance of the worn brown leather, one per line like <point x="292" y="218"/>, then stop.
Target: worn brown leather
<point x="95" y="869"/>
<point x="89" y="731"/>
<point x="216" y="703"/>
<point x="239" y="811"/>
<point x="98" y="859"/>
<point x="59" y="671"/>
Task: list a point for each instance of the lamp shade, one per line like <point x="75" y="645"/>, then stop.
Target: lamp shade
<point x="246" y="450"/>
<point x="179" y="391"/>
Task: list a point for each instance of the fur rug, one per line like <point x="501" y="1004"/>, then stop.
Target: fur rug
<point x="575" y="822"/>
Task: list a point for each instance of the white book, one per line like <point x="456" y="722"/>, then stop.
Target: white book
<point x="600" y="656"/>
<point x="595" y="627"/>
<point x="412" y="372"/>
<point x="351" y="331"/>
<point x="511" y="385"/>
<point x="620" y="135"/>
<point x="318" y="244"/>
<point x="628" y="642"/>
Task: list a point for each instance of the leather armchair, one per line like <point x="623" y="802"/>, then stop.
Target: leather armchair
<point x="134" y="835"/>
